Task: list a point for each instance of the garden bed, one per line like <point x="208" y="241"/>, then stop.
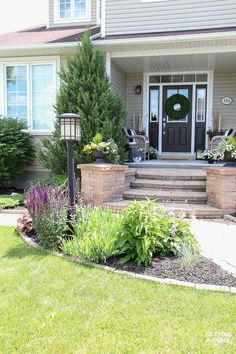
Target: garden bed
<point x="203" y="272"/>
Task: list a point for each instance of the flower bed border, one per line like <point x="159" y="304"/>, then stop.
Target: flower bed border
<point x="165" y="281"/>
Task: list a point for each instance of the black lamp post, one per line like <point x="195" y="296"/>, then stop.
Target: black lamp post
<point x="70" y="132"/>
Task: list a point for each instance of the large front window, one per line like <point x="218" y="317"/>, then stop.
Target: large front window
<point x="30" y="94"/>
<point x="73" y="9"/>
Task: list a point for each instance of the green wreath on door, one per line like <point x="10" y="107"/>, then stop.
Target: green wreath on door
<point x="177" y="107"/>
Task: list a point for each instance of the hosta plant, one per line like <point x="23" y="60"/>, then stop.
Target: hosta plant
<point x="148" y="229"/>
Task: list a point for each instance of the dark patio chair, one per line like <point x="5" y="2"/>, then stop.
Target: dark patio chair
<point x="136" y="141"/>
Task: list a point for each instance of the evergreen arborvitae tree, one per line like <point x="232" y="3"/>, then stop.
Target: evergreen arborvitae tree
<point x="85" y="90"/>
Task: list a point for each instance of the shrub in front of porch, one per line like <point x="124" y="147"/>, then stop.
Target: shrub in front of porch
<point x="137" y="234"/>
<point x="85" y="90"/>
<point x="16" y="150"/>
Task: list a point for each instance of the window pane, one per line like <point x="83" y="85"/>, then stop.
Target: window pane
<point x="80" y="8"/>
<point x="178" y="78"/>
<point x="189" y="78"/>
<point x="201" y="77"/>
<point x="16" y="82"/>
<point x="201" y="105"/>
<point x="154" y="79"/>
<point x="42" y="97"/>
<point x="65" y="8"/>
<point x="166" y="78"/>
<point x="154" y="105"/>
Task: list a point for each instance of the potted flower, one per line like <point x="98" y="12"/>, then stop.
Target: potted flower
<point x="137" y="155"/>
<point x="210" y="156"/>
<point x="102" y="151"/>
<point x="227" y="149"/>
<point x="153" y="153"/>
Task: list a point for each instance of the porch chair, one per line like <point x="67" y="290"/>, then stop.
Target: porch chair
<point x="217" y="139"/>
<point x="136" y="141"/>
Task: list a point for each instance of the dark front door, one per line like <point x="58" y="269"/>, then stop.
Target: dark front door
<point x="176" y="135"/>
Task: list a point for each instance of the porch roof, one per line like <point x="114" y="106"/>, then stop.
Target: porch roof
<point x="217" y="62"/>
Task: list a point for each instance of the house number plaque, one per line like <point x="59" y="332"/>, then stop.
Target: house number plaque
<point x="227" y="100"/>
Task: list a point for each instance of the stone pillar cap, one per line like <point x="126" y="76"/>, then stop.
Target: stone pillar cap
<point x="226" y="171"/>
<point x="102" y="167"/>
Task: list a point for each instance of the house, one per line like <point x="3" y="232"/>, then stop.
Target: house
<point x="154" y="49"/>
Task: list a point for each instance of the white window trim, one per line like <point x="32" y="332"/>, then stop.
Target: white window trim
<point x="71" y="19"/>
<point x="28" y="62"/>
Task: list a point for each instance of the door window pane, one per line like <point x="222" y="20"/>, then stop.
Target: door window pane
<point x="42" y="97"/>
<point x="201" y="105"/>
<point x="181" y="91"/>
<point x="154" y="105"/>
<point x="16" y="87"/>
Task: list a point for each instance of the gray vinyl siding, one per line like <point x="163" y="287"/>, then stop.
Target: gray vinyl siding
<point x="134" y="16"/>
<point x="224" y="86"/>
<point x="119" y="82"/>
<point x="134" y="101"/>
<point x="52" y="21"/>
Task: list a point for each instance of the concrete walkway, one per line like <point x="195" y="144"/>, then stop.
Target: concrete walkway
<point x="218" y="242"/>
<point x="9" y="219"/>
<point x="217" y="239"/>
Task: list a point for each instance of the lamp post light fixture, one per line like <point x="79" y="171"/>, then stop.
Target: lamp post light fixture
<point x="70" y="132"/>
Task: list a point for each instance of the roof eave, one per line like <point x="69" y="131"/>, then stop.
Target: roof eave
<point x="166" y="39"/>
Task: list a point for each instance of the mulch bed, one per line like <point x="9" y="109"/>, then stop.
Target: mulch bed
<point x="203" y="272"/>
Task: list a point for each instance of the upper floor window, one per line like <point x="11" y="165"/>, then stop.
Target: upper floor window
<point x="73" y="10"/>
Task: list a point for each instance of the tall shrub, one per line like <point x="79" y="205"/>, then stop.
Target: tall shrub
<point x="16" y="150"/>
<point x="85" y="89"/>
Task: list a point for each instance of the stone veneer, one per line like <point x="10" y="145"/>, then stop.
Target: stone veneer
<point x="221" y="188"/>
<point x="102" y="182"/>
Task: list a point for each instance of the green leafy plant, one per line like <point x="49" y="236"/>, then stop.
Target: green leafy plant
<point x="95" y="234"/>
<point x="109" y="148"/>
<point x="149" y="229"/>
<point x="97" y="139"/>
<point x="85" y="90"/>
<point x="153" y="153"/>
<point x="218" y="154"/>
<point x="11" y="201"/>
<point x="16" y="150"/>
<point x="189" y="256"/>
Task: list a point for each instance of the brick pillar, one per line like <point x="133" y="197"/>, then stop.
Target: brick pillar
<point x="221" y="188"/>
<point x="102" y="182"/>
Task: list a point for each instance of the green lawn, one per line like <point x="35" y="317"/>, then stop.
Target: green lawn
<point x="49" y="305"/>
<point x="11" y="201"/>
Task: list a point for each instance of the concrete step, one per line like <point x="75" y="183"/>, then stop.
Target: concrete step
<point x="201" y="211"/>
<point x="170" y="196"/>
<point x="163" y="185"/>
<point x="171" y="174"/>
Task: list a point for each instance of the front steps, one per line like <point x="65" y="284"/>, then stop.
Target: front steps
<point x="169" y="186"/>
<point x="201" y="211"/>
<point x="181" y="190"/>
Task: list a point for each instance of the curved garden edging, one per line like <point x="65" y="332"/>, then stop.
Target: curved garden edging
<point x="165" y="281"/>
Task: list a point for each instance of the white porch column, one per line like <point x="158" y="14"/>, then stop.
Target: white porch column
<point x="108" y="64"/>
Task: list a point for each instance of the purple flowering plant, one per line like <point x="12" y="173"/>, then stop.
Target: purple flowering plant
<point x="48" y="207"/>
